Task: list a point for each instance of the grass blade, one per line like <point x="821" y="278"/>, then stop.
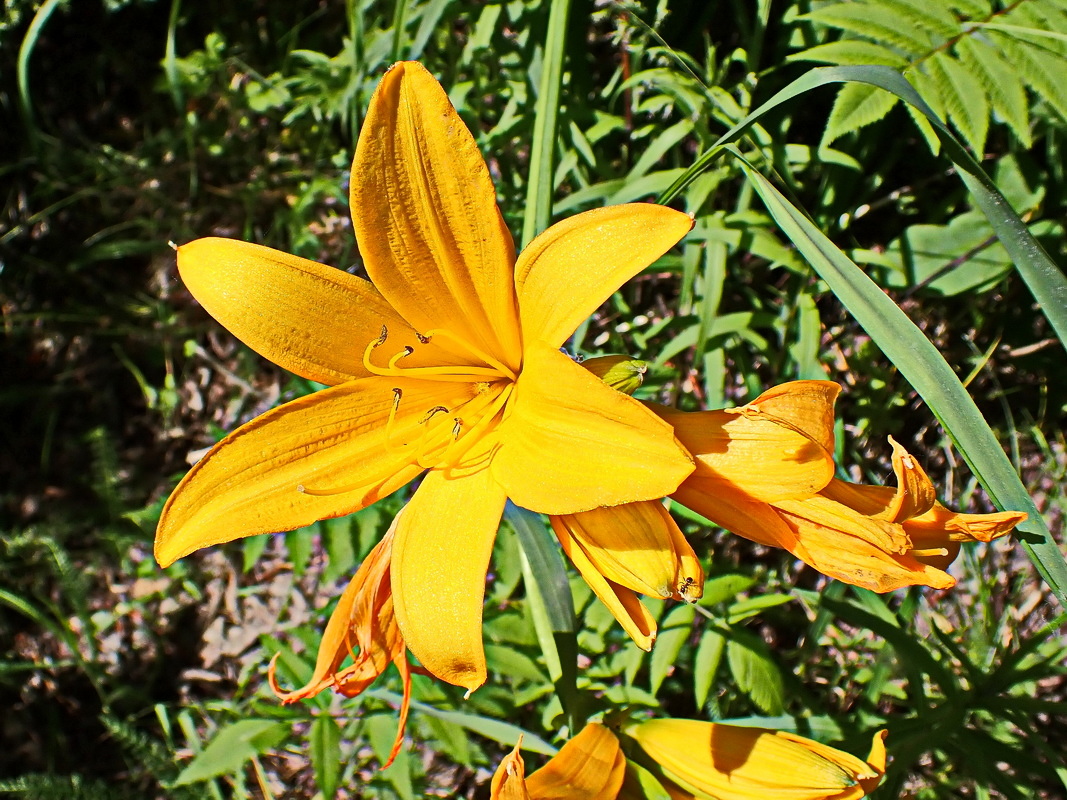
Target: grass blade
<point x="546" y="120"/>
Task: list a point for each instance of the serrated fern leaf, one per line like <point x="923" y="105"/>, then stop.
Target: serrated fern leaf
<point x="857" y="105"/>
<point x="848" y="52"/>
<point x="57" y="787"/>
<point x="965" y="99"/>
<point x="969" y="61"/>
<point x="1005" y="88"/>
<point x="875" y="22"/>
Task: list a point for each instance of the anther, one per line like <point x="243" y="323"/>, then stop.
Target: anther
<point x="422" y="339"/>
<point x="457" y="427"/>
<point x="430" y="414"/>
<point x="381" y="337"/>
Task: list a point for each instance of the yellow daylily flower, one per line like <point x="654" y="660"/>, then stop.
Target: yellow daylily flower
<point x="446" y="361"/>
<point x="591" y="766"/>
<point x="870" y="536"/>
<point x="363" y="626"/>
<point x="729" y="762"/>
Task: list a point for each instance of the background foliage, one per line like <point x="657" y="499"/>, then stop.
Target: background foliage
<point x="129" y="123"/>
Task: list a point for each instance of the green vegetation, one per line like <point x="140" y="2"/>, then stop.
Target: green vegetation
<point x="130" y="123"/>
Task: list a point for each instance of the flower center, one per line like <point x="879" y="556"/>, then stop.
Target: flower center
<point x="443" y="436"/>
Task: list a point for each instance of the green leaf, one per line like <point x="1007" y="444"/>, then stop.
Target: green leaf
<point x="965" y="99"/>
<point x="546" y="118"/>
<point x="720" y="588"/>
<point x="855" y="106"/>
<point x="324" y="743"/>
<point x="674" y="631"/>
<point x="874" y="22"/>
<point x="750" y="606"/>
<point x="851" y="51"/>
<point x="706" y="664"/>
<point x="233" y="746"/>
<point x="1001" y="82"/>
<point x="381" y="731"/>
<point x="502" y="732"/>
<point x="755" y="672"/>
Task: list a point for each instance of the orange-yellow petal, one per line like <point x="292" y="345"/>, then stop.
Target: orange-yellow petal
<point x="337" y="444"/>
<point x="623" y="603"/>
<point x="568" y="271"/>
<point x="355" y="628"/>
<point x="444" y="538"/>
<point x="289" y="309"/>
<point x="571" y="443"/>
<point x="737" y="763"/>
<point x="639" y="546"/>
<point x="838" y="546"/>
<point x="426" y="219"/>
<point x="591" y="766"/>
<point x="773" y="448"/>
<point x="509" y="780"/>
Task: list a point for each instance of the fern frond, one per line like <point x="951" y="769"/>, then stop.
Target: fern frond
<point x="875" y="22"/>
<point x="57" y="787"/>
<point x="969" y="61"/>
<point x="857" y="105"/>
<point x="968" y="107"/>
<point x="1002" y="83"/>
<point x="848" y="52"/>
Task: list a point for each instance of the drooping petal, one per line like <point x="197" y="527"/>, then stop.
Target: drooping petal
<point x="567" y="272"/>
<point x="837" y="545"/>
<point x="355" y="628"/>
<point x="337" y="444"/>
<point x="591" y="766"/>
<point x="509" y="780"/>
<point x="443" y="543"/>
<point x="915" y="492"/>
<point x="571" y="443"/>
<point x="940" y="523"/>
<point x="771" y="449"/>
<point x="738" y="763"/>
<point x="426" y="219"/>
<point x="309" y="318"/>
<point x="623" y="603"/>
<point x="639" y="546"/>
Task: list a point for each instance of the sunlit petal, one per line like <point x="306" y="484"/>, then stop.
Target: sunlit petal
<point x="571" y="443"/>
<point x="639" y="546"/>
<point x="443" y="542"/>
<point x="509" y="780"/>
<point x="287" y="309"/>
<point x="623" y="603"/>
<point x="740" y="763"/>
<point x="773" y="448"/>
<point x="590" y="766"/>
<point x="567" y="272"/>
<point x="337" y="442"/>
<point x="426" y="218"/>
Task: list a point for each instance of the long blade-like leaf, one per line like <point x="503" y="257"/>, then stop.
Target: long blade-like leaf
<point x="539" y="189"/>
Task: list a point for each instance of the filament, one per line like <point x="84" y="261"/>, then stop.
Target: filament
<point x="474" y="351"/>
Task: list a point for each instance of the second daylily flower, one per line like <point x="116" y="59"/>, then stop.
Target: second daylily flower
<point x="447" y="362"/>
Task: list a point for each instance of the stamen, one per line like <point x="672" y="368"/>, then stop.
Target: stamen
<point x="457" y="427"/>
<point x="391" y="422"/>
<point x="453" y="454"/>
<point x="474" y="351"/>
<point x="933" y="551"/>
<point x="407" y="351"/>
